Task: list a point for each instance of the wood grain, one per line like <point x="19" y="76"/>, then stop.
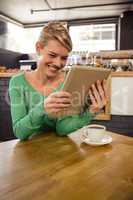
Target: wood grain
<point x="122" y="74"/>
<point x="51" y="167"/>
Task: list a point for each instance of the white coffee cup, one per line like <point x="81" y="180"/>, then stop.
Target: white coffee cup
<point x="94" y="132"/>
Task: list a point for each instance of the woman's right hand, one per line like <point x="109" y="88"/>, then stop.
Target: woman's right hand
<point x="57" y="101"/>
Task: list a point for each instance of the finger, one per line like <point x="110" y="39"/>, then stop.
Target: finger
<point x="100" y="102"/>
<point x="63" y="100"/>
<point x="92" y="98"/>
<point x="95" y="93"/>
<point x="61" y="94"/>
<point x="58" y="105"/>
<point x="100" y="90"/>
<point x="60" y="100"/>
<point x="94" y="106"/>
<point x="55" y="110"/>
<point x="106" y="93"/>
<point x="93" y="109"/>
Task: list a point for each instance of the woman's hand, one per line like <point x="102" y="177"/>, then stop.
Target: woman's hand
<point x="98" y="96"/>
<point x="57" y="101"/>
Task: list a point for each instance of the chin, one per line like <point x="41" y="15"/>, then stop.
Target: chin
<point x="52" y="75"/>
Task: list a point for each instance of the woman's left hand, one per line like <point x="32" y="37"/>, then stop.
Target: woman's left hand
<point x="98" y="96"/>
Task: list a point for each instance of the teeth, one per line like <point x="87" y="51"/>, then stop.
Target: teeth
<point x="53" y="67"/>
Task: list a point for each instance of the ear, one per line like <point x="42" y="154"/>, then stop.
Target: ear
<point x="39" y="47"/>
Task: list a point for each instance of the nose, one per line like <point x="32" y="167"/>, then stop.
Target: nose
<point x="58" y="62"/>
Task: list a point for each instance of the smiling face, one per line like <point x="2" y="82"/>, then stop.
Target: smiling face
<point x="52" y="58"/>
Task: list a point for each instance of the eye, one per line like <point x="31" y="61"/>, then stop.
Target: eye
<point x="64" y="58"/>
<point x="52" y="55"/>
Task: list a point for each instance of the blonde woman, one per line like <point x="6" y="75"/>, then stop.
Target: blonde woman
<point x="36" y="95"/>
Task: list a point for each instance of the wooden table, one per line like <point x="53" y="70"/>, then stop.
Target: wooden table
<point x="50" y="167"/>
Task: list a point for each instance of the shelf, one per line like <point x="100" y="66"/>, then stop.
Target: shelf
<point x="7" y="74"/>
<point x="122" y="74"/>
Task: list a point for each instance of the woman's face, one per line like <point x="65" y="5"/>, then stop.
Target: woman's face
<point x="52" y="58"/>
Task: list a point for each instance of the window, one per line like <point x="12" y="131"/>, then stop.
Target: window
<point x="31" y="36"/>
<point x="93" y="37"/>
<point x="14" y="37"/>
<point x="22" y="39"/>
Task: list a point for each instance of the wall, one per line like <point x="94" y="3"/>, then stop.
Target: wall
<point x="126" y="31"/>
<point x="3" y="34"/>
<point x="122" y="96"/>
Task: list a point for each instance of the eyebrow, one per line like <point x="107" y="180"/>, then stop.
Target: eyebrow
<point x="52" y="52"/>
<point x="65" y="56"/>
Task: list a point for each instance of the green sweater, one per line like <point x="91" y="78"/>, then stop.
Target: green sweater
<point x="29" y="116"/>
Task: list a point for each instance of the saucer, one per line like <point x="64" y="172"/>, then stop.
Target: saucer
<point x="106" y="140"/>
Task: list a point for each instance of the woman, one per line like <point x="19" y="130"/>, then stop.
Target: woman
<point x="36" y="96"/>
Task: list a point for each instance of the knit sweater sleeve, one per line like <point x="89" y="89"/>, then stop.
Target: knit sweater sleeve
<point x="25" y="123"/>
<point x="66" y="125"/>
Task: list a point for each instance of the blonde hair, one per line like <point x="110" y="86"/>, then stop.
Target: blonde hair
<point x="56" y="31"/>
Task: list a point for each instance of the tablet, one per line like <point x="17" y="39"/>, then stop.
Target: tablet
<point x="78" y="80"/>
